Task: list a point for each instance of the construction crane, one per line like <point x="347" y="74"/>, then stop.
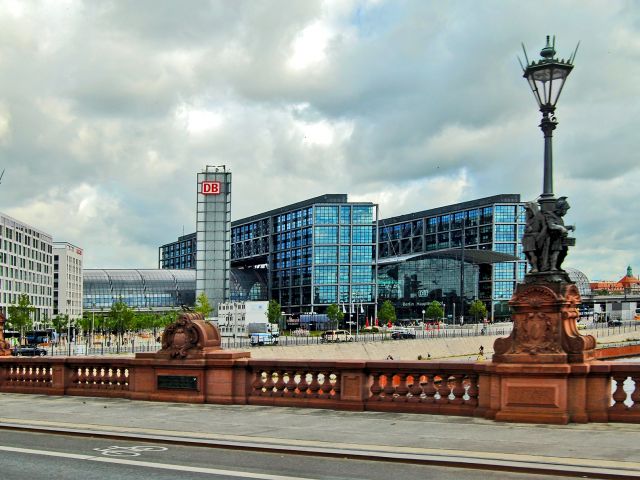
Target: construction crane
<point x="1" y="175"/>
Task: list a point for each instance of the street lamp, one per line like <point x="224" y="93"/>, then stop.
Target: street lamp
<point x="68" y="327"/>
<point x="546" y="78"/>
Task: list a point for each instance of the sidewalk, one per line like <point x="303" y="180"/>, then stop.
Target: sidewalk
<point x="597" y="449"/>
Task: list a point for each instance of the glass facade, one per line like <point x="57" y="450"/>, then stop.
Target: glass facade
<point x="153" y="290"/>
<point x="493" y="223"/>
<point x="414" y="284"/>
<point x="310" y="249"/>
<point x="179" y="255"/>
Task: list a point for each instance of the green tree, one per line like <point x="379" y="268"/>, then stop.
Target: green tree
<point x="478" y="309"/>
<point x="334" y="313"/>
<point x="60" y="322"/>
<point x="202" y="305"/>
<point x="120" y="318"/>
<point x="387" y="312"/>
<point x="20" y="314"/>
<point x="434" y="311"/>
<point x="274" y="311"/>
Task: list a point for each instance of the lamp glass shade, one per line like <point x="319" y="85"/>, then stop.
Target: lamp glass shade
<point x="546" y="81"/>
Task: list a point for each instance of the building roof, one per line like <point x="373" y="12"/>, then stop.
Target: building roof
<point x="479" y="202"/>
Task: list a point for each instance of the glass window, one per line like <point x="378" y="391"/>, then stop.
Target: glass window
<point x="361" y="293"/>
<point x="432" y="225"/>
<point x="325" y="294"/>
<point x="345" y="234"/>
<point x="487" y="215"/>
<point x="472" y="218"/>
<point x="344" y="293"/>
<point x="443" y="222"/>
<point x="417" y="227"/>
<point x="504" y="271"/>
<point x="345" y="256"/>
<point x="324" y="235"/>
<point x="325" y="255"/>
<point x="362" y="274"/>
<point x="503" y="290"/>
<point x="486" y="234"/>
<point x="458" y="220"/>
<point x="362" y="234"/>
<point x="325" y="274"/>
<point x="505" y="233"/>
<point x="326" y="214"/>
<point x="362" y="214"/>
<point x="522" y="269"/>
<point x="361" y="254"/>
<point x="345" y="214"/>
<point x="509" y="248"/>
<point x="505" y="213"/>
<point x="344" y="274"/>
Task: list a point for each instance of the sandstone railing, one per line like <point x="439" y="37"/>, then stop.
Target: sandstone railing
<point x="612" y="389"/>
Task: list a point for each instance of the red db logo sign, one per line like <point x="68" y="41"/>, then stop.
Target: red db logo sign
<point x="210" y="188"/>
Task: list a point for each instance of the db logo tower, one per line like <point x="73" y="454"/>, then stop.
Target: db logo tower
<point x="210" y="188"/>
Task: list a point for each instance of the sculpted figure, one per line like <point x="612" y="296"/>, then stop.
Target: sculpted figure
<point x="534" y="236"/>
<point x="556" y="244"/>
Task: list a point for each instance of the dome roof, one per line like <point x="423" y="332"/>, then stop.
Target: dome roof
<point x="629" y="279"/>
<point x="581" y="281"/>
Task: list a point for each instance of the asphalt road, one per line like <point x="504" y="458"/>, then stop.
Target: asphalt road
<point x="36" y="456"/>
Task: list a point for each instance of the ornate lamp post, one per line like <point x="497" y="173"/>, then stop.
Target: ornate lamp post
<point x="546" y="78"/>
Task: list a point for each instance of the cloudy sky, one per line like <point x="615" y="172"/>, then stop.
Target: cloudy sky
<point x="108" y="110"/>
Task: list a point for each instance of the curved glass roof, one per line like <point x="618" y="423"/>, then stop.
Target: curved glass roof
<point x="581" y="281"/>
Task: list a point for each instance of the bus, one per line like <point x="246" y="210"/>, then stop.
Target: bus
<point x="41" y="337"/>
<point x="637" y="315"/>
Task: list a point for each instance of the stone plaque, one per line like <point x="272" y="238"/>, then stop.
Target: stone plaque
<point x="532" y="396"/>
<point x="177" y="382"/>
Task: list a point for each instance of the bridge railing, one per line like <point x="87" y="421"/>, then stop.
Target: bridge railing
<point x="611" y="389"/>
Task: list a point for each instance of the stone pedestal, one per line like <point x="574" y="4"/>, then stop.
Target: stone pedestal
<point x="191" y="366"/>
<point x="538" y="371"/>
<point x="5" y="348"/>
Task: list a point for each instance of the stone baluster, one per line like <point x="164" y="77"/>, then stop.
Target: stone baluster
<point x="429" y="390"/>
<point x="75" y="375"/>
<point x="401" y="390"/>
<point x="314" y="387"/>
<point x="280" y="384"/>
<point x="472" y="391"/>
<point x="415" y="388"/>
<point x="336" y="386"/>
<point x="326" y="386"/>
<point x="376" y="389"/>
<point x="257" y="383"/>
<point x="444" y="389"/>
<point x="635" y="395"/>
<point x="388" y="389"/>
<point x="458" y="389"/>
<point x="303" y="385"/>
<point x="290" y="387"/>
<point x="619" y="396"/>
<point x="269" y="384"/>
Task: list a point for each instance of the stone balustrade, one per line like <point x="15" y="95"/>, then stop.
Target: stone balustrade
<point x="612" y="389"/>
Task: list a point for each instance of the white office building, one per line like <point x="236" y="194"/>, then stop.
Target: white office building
<point x="234" y="318"/>
<point x="26" y="267"/>
<point x="67" y="280"/>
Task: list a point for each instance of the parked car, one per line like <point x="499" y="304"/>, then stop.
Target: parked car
<point x="28" y="351"/>
<point x="259" y="339"/>
<point x="614" y="323"/>
<point x="331" y="336"/>
<point x="403" y="334"/>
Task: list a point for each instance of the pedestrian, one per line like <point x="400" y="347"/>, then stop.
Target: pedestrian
<point x="481" y="351"/>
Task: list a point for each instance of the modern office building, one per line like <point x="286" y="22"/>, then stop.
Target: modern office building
<point x="67" y="280"/>
<point x="26" y="267"/>
<point x="316" y="252"/>
<point x="178" y="255"/>
<point x="323" y="250"/>
<point x="490" y="224"/>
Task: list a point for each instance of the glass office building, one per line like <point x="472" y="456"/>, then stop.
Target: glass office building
<point x="318" y="252"/>
<point x="178" y="255"/>
<point x="493" y="223"/>
<point x="323" y="250"/>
